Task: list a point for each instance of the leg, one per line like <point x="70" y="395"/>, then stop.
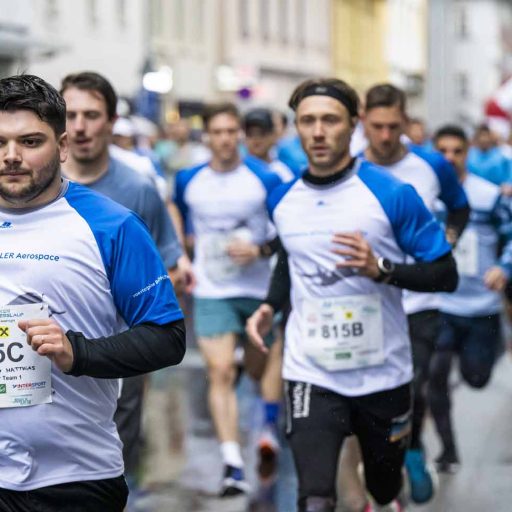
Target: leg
<point x="219" y="357"/>
<point x="480" y="349"/>
<point x="439" y="390"/>
<point x="350" y="483"/>
<point x="382" y="423"/>
<point x="316" y="414"/>
<point x="423" y="329"/>
<point x="128" y="418"/>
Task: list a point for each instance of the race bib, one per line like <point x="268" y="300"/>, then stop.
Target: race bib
<point x="218" y="265"/>
<point x="466" y="253"/>
<point x="344" y="333"/>
<point x="25" y="376"/>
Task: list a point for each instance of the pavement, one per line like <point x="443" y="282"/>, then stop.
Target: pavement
<point x="183" y="466"/>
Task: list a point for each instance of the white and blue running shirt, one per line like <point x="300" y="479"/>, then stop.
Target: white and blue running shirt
<point x="219" y="207"/>
<point x="394" y="220"/>
<point x="434" y="179"/>
<point x="490" y="222"/>
<point x="95" y="265"/>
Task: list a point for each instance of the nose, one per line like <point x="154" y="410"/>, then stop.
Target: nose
<point x="77" y="123"/>
<point x="386" y="134"/>
<point x="12" y="154"/>
<point x="318" y="130"/>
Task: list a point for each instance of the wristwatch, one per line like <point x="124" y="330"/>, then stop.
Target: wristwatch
<point x="386" y="268"/>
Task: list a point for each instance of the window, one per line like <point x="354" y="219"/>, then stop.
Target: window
<point x="121" y="12"/>
<point x="265" y="19"/>
<point x="243" y="18"/>
<point x="301" y="23"/>
<point x="462" y="82"/>
<point x="461" y="22"/>
<point x="92" y="13"/>
<point x="283" y="21"/>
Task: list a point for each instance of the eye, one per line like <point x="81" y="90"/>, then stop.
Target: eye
<point x="32" y="142"/>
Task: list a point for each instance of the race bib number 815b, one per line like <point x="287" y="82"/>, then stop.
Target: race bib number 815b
<point x="344" y="333"/>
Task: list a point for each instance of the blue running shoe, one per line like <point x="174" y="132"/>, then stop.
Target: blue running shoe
<point x="420" y="476"/>
<point x="234" y="482"/>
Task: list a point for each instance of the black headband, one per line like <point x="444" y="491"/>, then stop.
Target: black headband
<point x="333" y="92"/>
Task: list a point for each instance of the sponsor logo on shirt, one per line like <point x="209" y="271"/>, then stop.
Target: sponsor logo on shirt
<point x="30" y="385"/>
<point x="4" y="331"/>
<point x="3" y="389"/>
<point x="6" y="225"/>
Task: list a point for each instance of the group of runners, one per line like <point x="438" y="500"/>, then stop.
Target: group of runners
<point x="354" y="284"/>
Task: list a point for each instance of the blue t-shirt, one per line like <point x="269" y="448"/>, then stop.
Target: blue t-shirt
<point x="137" y="193"/>
<point x="491" y="165"/>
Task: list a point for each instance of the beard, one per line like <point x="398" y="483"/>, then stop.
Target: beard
<point x="39" y="181"/>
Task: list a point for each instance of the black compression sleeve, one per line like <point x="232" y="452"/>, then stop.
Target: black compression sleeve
<point x="457" y="219"/>
<point x="279" y="291"/>
<point x="269" y="248"/>
<point x="141" y="349"/>
<point x="435" y="276"/>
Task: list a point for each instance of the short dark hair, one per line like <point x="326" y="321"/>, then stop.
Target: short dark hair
<point x="450" y="130"/>
<point x="385" y="95"/>
<point x="29" y="92"/>
<point x="345" y="89"/>
<point x="91" y="81"/>
<point x="482" y="128"/>
<point x="215" y="109"/>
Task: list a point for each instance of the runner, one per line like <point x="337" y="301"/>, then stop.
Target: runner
<point x="260" y="138"/>
<point x="385" y="121"/>
<point x="471" y="328"/>
<point x="345" y="227"/>
<point x="85" y="300"/>
<point x="223" y="203"/>
<point x="91" y="111"/>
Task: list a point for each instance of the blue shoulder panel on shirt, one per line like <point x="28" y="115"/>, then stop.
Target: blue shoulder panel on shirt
<point x="274" y="198"/>
<point x="268" y="178"/>
<point x="416" y="231"/>
<point x="183" y="178"/>
<point x="452" y="193"/>
<point x="139" y="283"/>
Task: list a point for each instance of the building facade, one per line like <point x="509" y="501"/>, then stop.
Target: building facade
<point x="470" y="49"/>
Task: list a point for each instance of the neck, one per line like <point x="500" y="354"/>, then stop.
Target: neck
<point x="462" y="174"/>
<point x="393" y="158"/>
<point x="86" y="172"/>
<point x="224" y="165"/>
<point x="324" y="172"/>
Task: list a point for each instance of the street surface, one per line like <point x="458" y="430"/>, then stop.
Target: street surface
<point x="187" y="481"/>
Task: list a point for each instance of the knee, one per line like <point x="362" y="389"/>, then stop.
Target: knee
<point x="476" y="379"/>
<point x="317" y="504"/>
<point x="384" y="489"/>
<point x="221" y="374"/>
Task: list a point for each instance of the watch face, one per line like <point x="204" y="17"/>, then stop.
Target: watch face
<point x="388" y="266"/>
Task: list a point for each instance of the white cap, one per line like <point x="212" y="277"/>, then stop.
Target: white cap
<point x="124" y="127"/>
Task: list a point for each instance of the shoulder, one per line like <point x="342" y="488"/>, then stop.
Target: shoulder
<point x="378" y="178"/>
<point x="433" y="158"/>
<point x="263" y="172"/>
<point x="277" y="195"/>
<point x="130" y="175"/>
<point x="184" y="176"/>
<point x="482" y="193"/>
<point x="100" y="212"/>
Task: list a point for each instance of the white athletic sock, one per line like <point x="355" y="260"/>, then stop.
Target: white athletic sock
<point x="231" y="454"/>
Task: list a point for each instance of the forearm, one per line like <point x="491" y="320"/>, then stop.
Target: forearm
<point x="280" y="284"/>
<point x="141" y="349"/>
<point x="457" y="220"/>
<point x="435" y="276"/>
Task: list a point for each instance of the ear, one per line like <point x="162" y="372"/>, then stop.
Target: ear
<point x="63" y="145"/>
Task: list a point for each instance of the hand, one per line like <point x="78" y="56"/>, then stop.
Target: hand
<point x="506" y="189"/>
<point x="359" y="254"/>
<point x="259" y="325"/>
<point x="243" y="253"/>
<point x="451" y="236"/>
<point x="495" y="279"/>
<point x="48" y="339"/>
<point x="185" y="265"/>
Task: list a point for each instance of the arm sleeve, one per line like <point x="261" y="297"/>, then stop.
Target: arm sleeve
<point x="280" y="283"/>
<point x="442" y="275"/>
<point x="458" y="219"/>
<point x="141" y="349"/>
<point x="161" y="227"/>
<point x="452" y="194"/>
<point x="502" y="220"/>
